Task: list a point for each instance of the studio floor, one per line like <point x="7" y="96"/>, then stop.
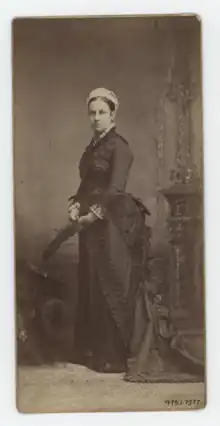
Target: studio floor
<point x="74" y="388"/>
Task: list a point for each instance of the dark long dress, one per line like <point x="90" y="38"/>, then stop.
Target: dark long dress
<point x="118" y="320"/>
<point x="110" y="253"/>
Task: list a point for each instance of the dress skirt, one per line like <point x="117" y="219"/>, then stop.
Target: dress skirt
<point x="109" y="274"/>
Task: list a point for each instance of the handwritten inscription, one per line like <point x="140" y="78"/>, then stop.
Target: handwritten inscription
<point x="182" y="402"/>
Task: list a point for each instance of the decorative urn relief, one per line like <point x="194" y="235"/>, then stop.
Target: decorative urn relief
<point x="183" y="190"/>
<point x="186" y="231"/>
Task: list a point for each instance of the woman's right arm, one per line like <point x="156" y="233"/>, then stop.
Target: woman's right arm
<point x="73" y="200"/>
<point x="83" y="168"/>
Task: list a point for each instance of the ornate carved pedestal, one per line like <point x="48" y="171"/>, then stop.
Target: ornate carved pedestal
<point x="186" y="265"/>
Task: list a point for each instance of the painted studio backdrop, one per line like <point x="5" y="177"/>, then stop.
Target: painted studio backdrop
<point x="154" y="67"/>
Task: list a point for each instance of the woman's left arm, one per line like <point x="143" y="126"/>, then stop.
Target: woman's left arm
<point x="121" y="163"/>
<point x="122" y="159"/>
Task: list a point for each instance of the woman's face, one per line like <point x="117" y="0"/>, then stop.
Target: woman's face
<point x="100" y="115"/>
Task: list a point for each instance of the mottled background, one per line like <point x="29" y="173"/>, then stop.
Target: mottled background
<point x="56" y="62"/>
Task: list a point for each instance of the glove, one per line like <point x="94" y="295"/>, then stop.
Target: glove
<point x="87" y="219"/>
<point x="73" y="211"/>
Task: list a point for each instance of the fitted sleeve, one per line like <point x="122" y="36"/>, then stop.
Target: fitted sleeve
<point x="108" y="168"/>
<point x="121" y="163"/>
<point x="122" y="159"/>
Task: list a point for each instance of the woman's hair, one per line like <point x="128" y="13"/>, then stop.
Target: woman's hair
<point x="107" y="101"/>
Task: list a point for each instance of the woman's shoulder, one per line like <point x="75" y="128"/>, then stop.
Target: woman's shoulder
<point x="118" y="142"/>
<point x="117" y="137"/>
<point x="122" y="147"/>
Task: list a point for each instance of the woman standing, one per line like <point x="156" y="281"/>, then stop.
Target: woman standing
<point x="110" y="244"/>
<point x="120" y="322"/>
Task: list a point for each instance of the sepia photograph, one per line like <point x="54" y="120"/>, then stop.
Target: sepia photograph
<point x="108" y="213"/>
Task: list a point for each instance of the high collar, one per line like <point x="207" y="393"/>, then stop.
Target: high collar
<point x="103" y="134"/>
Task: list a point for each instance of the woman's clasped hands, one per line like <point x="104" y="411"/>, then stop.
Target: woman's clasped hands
<point x="74" y="215"/>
